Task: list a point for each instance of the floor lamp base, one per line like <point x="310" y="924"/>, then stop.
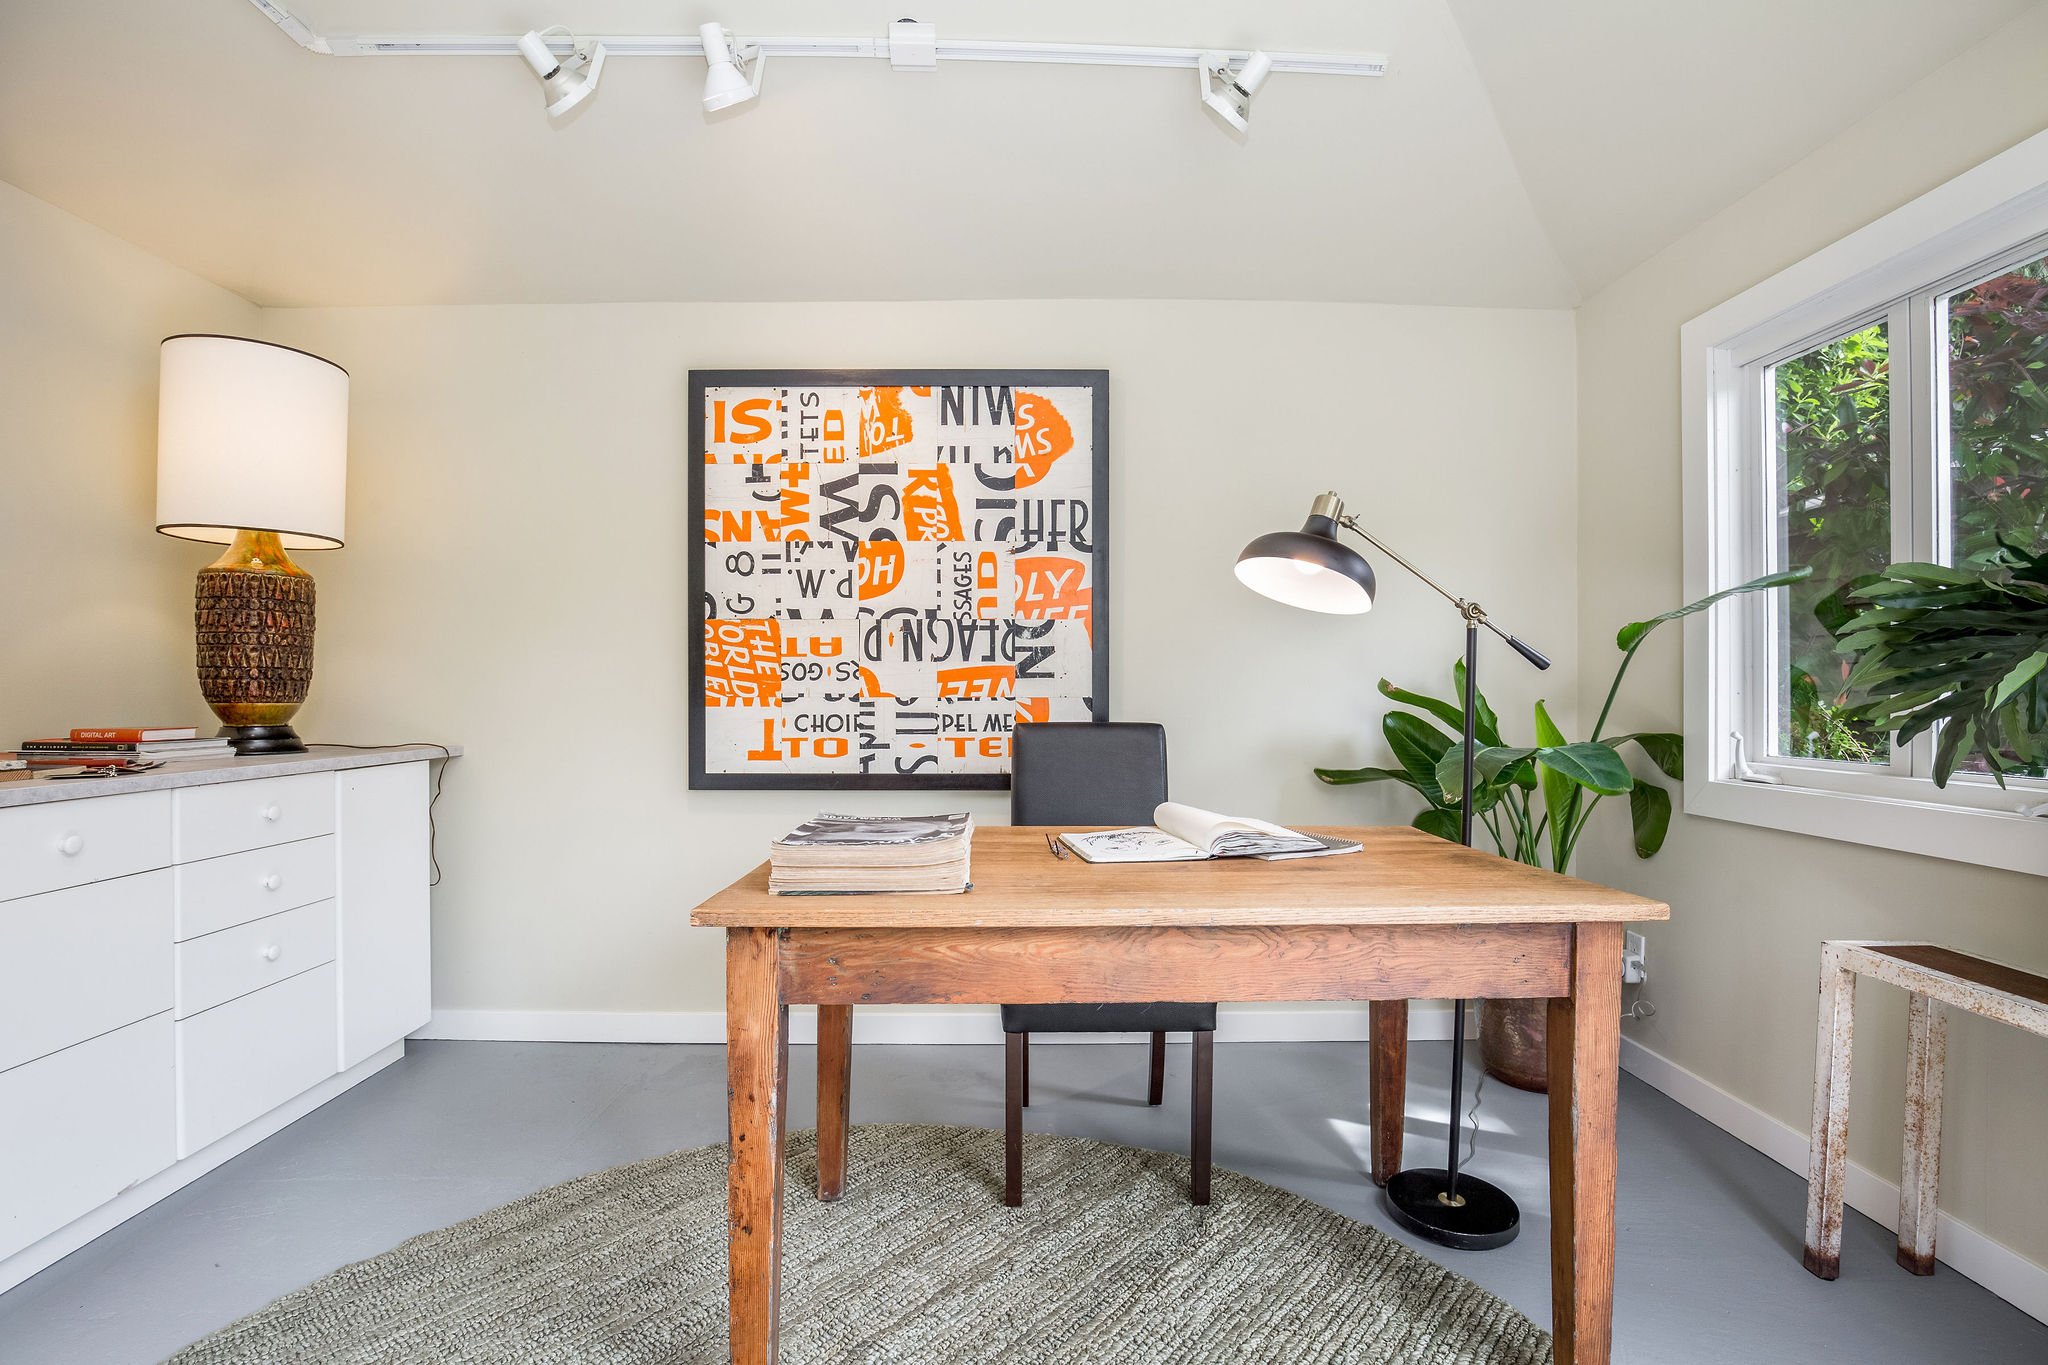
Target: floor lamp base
<point x="1483" y="1218"/>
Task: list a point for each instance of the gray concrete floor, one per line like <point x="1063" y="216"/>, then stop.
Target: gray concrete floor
<point x="1709" y="1230"/>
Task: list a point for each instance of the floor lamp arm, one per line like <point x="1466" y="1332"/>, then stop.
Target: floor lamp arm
<point x="1470" y="610"/>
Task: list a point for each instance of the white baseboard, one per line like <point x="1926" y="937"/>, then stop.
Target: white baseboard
<point x="133" y="1200"/>
<point x="2005" y="1272"/>
<point x="1427" y="1022"/>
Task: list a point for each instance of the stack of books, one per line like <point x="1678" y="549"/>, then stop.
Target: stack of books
<point x="98" y="746"/>
<point x="846" y="855"/>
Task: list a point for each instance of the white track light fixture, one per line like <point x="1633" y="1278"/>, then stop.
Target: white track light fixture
<point x="733" y="72"/>
<point x="1230" y="92"/>
<point x="564" y="81"/>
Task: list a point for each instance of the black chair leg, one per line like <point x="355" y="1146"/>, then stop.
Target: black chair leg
<point x="1013" y="1119"/>
<point x="1024" y="1046"/>
<point x="1198" y="1123"/>
<point x="1158" y="1094"/>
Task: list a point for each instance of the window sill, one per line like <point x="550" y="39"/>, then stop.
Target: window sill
<point x="1963" y="834"/>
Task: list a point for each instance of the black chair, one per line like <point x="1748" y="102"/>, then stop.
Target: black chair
<point x="1071" y="775"/>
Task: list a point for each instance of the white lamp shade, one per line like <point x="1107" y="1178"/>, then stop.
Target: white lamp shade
<point x="250" y="436"/>
<point x="1309" y="586"/>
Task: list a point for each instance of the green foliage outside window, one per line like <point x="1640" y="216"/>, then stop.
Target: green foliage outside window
<point x="1834" y="446"/>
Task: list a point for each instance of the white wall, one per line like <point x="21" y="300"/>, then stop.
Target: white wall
<point x="514" y="578"/>
<point x="97" y="608"/>
<point x="1733" y="973"/>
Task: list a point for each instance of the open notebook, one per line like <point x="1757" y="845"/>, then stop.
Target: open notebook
<point x="1185" y="834"/>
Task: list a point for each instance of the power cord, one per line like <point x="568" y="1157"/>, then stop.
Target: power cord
<point x="433" y="835"/>
<point x="1472" y="1118"/>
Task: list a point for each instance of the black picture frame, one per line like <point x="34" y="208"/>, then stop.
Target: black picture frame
<point x="1097" y="381"/>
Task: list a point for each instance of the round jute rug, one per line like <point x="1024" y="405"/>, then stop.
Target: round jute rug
<point x="920" y="1264"/>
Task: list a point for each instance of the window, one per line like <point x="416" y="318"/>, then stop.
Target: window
<point x="1831" y="435"/>
<point x="1884" y="400"/>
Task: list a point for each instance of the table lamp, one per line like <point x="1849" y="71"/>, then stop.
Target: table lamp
<point x="1312" y="569"/>
<point x="252" y="453"/>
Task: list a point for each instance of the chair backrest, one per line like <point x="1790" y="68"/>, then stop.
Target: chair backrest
<point x="1087" y="773"/>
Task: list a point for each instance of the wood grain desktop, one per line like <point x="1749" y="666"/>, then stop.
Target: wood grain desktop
<point x="1411" y="916"/>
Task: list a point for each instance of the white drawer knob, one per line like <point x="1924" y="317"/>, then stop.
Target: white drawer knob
<point x="272" y="813"/>
<point x="71" y="845"/>
<point x="272" y="882"/>
<point x="270" y="952"/>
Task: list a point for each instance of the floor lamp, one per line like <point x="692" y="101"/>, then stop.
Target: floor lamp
<point x="1312" y="569"/>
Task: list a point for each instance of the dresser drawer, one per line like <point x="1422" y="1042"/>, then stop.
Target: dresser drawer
<point x="224" y="966"/>
<point x="239" y="1061"/>
<point x="70" y="843"/>
<point x="229" y="817"/>
<point x="75" y="964"/>
<point x="79" y="1126"/>
<point x="239" y="887"/>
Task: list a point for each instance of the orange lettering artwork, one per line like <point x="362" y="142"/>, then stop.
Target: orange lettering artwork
<point x="981" y="682"/>
<point x="1043" y="435"/>
<point x="930" y="511"/>
<point x="743" y="662"/>
<point x="884" y="421"/>
<point x="891" y="570"/>
<point x="1049" y="588"/>
<point x="745" y="423"/>
<point x="879" y="568"/>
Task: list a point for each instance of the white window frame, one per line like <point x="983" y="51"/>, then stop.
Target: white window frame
<point x="1898" y="269"/>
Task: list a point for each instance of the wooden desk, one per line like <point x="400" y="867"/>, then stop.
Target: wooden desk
<point x="1410" y="917"/>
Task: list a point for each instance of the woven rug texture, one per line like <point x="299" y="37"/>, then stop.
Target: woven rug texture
<point x="919" y="1264"/>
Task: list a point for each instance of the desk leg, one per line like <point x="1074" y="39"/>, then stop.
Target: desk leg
<point x="835" y="1090"/>
<point x="1388" y="1068"/>
<point x="757" y="1068"/>
<point x="1585" y="1076"/>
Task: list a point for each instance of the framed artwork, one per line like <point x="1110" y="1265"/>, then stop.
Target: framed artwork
<point x="892" y="570"/>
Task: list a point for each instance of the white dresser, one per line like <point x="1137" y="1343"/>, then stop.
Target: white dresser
<point x="189" y="960"/>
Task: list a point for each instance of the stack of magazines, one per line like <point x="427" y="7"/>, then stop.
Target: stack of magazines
<point x="844" y="855"/>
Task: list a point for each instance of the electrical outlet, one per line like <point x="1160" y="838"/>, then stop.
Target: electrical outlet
<point x="1635" y="952"/>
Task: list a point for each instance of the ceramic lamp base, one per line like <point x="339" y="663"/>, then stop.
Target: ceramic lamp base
<point x="254" y="613"/>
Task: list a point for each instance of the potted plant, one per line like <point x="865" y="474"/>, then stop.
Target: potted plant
<point x="1534" y="801"/>
<point x="1959" y="648"/>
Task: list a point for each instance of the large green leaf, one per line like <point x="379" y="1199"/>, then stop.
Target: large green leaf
<point x="1560" y="793"/>
<point x="1649" y="810"/>
<point x="1595" y="767"/>
<point x="1486" y="725"/>
<point x="1344" y="777"/>
<point x="2022" y="673"/>
<point x="1632" y="633"/>
<point x="1450" y="713"/>
<point x="1490" y="767"/>
<point x="1663" y="748"/>
<point x="1417" y="745"/>
<point x="1440" y="822"/>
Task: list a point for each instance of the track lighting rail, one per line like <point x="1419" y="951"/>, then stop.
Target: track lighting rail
<point x="949" y="49"/>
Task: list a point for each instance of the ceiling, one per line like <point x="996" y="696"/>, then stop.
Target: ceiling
<point x="1517" y="154"/>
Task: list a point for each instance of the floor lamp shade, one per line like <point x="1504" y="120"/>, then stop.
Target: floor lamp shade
<point x="252" y="452"/>
<point x="1309" y="569"/>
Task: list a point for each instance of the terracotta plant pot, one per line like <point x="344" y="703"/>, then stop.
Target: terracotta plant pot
<point x="1512" y="1043"/>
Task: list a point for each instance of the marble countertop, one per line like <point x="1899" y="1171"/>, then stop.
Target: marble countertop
<point x="318" y="758"/>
